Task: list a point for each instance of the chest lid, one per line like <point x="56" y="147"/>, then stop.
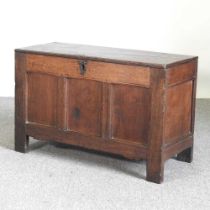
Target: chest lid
<point x="108" y="54"/>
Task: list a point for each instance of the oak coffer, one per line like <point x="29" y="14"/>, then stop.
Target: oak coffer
<point x="136" y="104"/>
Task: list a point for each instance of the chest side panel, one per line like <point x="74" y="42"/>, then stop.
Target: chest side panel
<point x="180" y="102"/>
<point x="178" y="112"/>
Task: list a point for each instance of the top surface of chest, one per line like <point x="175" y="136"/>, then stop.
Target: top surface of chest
<point x="115" y="55"/>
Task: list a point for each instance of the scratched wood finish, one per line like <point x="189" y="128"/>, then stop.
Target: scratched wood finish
<point x="135" y="104"/>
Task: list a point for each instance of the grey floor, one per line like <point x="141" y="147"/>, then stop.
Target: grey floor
<point x="54" y="178"/>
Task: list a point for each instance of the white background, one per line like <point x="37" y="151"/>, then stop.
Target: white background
<point x="174" y="26"/>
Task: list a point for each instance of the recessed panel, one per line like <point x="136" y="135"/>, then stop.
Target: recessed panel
<point x="42" y="98"/>
<point x="178" y="112"/>
<point x="130" y="113"/>
<point x="84" y="106"/>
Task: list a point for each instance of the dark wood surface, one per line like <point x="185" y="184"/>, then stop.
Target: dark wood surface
<point x="100" y="71"/>
<point x="178" y="112"/>
<point x="42" y="98"/>
<point x="146" y="58"/>
<point x="136" y="111"/>
<point x="84" y="102"/>
<point x="155" y="161"/>
<point x="21" y="138"/>
<point x="130" y="113"/>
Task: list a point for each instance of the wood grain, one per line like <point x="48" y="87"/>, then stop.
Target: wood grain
<point x="42" y="99"/>
<point x="155" y="160"/>
<point x="99" y="71"/>
<point x="21" y="139"/>
<point x="181" y="73"/>
<point x="84" y="106"/>
<point x="117" y="73"/>
<point x="61" y="106"/>
<point x="187" y="154"/>
<point x="130" y="113"/>
<point x="178" y="111"/>
<point x="42" y="132"/>
<point x="132" y="103"/>
<point x="171" y="150"/>
<point x="108" y="54"/>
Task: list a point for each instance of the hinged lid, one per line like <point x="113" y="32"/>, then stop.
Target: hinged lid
<point x="115" y="55"/>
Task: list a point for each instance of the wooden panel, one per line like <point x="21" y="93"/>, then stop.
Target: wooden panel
<point x="178" y="112"/>
<point x="99" y="71"/>
<point x="180" y="73"/>
<point x="84" y="106"/>
<point x="117" y="73"/>
<point x="90" y="142"/>
<point x="52" y="65"/>
<point x="130" y="108"/>
<point x="42" y="98"/>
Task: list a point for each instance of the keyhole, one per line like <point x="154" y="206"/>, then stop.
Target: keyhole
<point x="76" y="113"/>
<point x="82" y="67"/>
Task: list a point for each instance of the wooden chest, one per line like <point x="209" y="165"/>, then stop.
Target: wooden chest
<point x="132" y="103"/>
